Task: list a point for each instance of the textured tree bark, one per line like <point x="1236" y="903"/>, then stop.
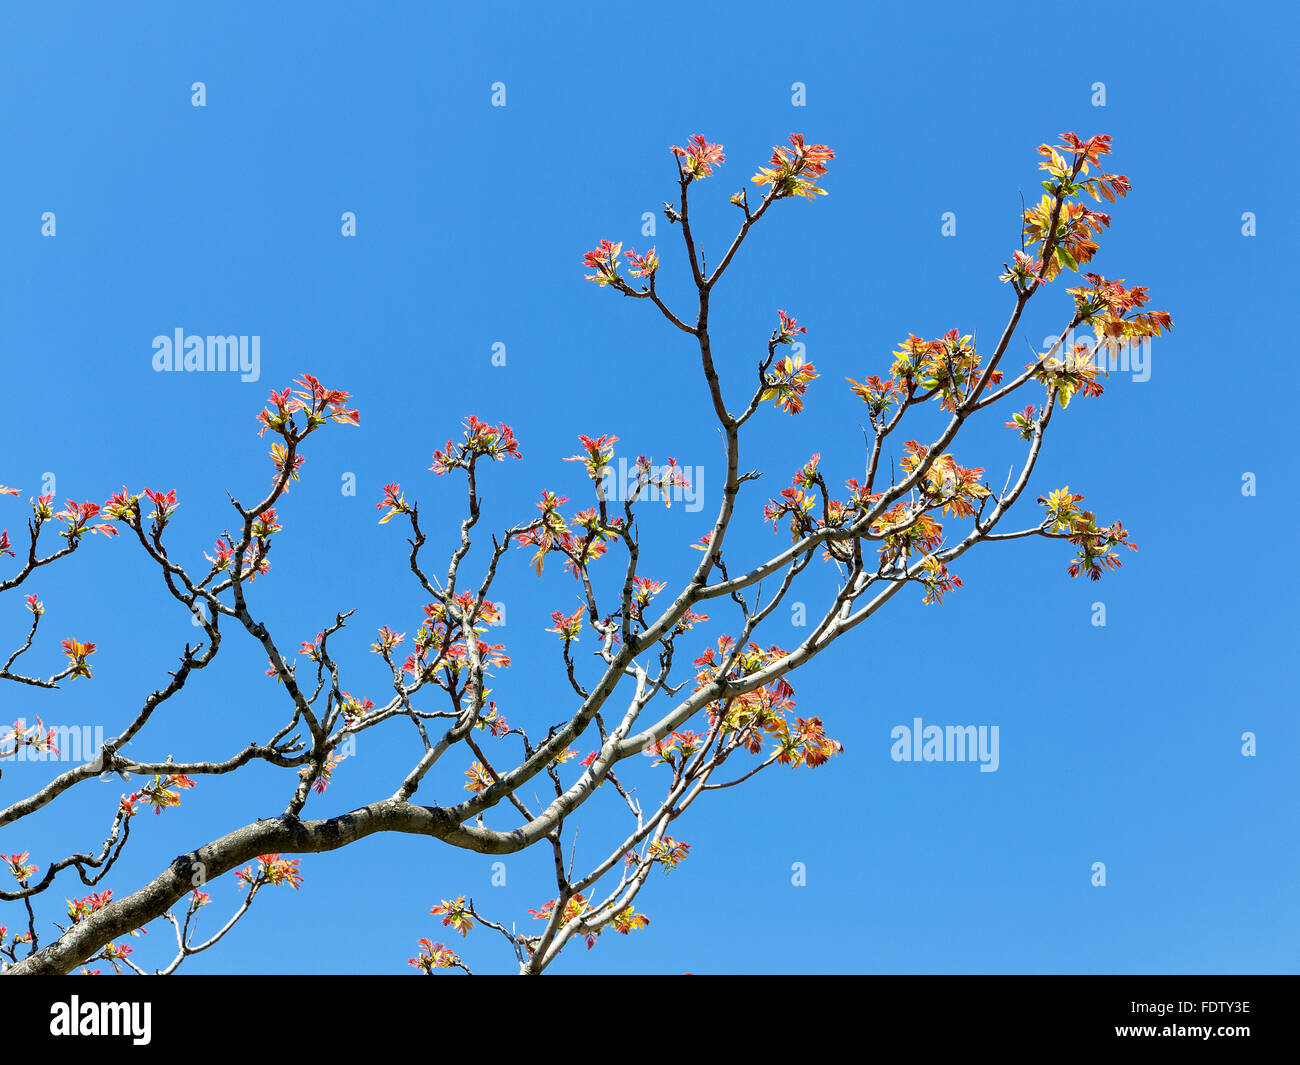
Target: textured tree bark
<point x="196" y="868"/>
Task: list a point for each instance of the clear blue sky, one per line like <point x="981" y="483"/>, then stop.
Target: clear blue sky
<point x="1118" y="744"/>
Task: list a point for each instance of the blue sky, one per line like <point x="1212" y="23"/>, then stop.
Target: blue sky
<point x="1119" y="744"/>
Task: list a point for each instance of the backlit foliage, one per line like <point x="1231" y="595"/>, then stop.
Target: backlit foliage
<point x="666" y="692"/>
